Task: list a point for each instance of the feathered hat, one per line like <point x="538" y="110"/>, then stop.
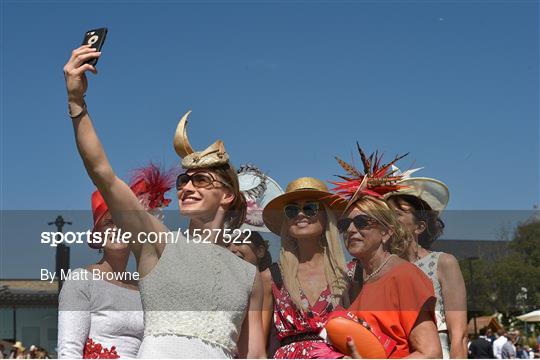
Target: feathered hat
<point x="212" y="156"/>
<point x="376" y="180"/>
<point x="149" y="184"/>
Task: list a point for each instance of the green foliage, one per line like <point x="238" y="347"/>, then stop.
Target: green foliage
<point x="511" y="283"/>
<point x="479" y="288"/>
<point x="526" y="242"/>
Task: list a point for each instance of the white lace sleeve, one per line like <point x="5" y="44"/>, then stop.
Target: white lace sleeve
<point x="73" y="318"/>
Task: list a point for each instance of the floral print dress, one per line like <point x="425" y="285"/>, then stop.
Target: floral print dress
<point x="290" y="321"/>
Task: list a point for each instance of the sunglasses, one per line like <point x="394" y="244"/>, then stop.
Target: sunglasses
<point x="360" y="221"/>
<point x="309" y="209"/>
<point x="198" y="179"/>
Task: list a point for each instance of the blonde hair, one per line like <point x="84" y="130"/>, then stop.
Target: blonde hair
<point x="379" y="210"/>
<point x="334" y="262"/>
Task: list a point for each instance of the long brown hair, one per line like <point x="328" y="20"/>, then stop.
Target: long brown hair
<point x="258" y="242"/>
<point x="236" y="213"/>
<point x="423" y="212"/>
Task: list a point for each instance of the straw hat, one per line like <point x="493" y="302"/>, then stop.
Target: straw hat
<point x="302" y="188"/>
<point x="19" y="345"/>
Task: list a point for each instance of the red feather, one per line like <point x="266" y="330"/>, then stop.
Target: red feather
<point x="150" y="185"/>
<point x="380" y="180"/>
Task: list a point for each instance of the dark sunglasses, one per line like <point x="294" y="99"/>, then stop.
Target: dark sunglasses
<point x="309" y="209"/>
<point x="360" y="221"/>
<point x="198" y="179"/>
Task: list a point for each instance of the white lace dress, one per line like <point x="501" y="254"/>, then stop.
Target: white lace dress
<point x="195" y="301"/>
<point x="108" y="314"/>
<point x="429" y="265"/>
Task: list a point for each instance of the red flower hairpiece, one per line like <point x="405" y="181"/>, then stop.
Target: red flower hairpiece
<point x="376" y="180"/>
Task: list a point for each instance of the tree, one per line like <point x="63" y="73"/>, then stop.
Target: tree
<point x="509" y="276"/>
<point x="480" y="295"/>
<point x="526" y="242"/>
<point x="511" y="284"/>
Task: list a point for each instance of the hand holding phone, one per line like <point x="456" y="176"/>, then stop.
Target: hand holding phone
<point x="82" y="59"/>
<point x="95" y="38"/>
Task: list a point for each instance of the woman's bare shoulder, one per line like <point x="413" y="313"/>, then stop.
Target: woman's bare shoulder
<point x="448" y="262"/>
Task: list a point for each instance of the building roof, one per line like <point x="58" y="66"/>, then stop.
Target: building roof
<point x="28" y="292"/>
<point x="462" y="249"/>
<point x="484" y="321"/>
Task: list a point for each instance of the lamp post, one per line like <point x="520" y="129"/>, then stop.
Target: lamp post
<point x="470" y="260"/>
<point x="62" y="250"/>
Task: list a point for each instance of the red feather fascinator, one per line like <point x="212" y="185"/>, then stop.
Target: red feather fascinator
<point x="376" y="180"/>
<point x="149" y="184"/>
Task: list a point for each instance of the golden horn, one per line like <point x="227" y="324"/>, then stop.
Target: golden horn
<point x="181" y="143"/>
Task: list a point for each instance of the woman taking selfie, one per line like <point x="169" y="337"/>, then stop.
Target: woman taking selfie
<point x="310" y="278"/>
<point x="199" y="300"/>
<point x="418" y="205"/>
<point x="396" y="298"/>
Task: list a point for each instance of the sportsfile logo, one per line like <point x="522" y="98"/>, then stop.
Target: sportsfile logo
<point x="110" y="235"/>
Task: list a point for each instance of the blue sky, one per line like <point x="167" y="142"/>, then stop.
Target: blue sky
<point x="285" y="85"/>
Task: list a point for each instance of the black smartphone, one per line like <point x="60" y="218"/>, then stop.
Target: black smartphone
<point x="95" y="38"/>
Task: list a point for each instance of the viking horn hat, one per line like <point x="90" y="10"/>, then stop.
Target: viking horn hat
<point x="213" y="156"/>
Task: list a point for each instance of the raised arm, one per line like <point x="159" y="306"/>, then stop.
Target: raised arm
<point x="126" y="211"/>
<point x="455" y="304"/>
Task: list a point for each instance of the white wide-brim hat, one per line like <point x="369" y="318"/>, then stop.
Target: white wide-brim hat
<point x="259" y="189"/>
<point x="434" y="192"/>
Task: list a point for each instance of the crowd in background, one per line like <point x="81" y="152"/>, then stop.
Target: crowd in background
<point x="18" y="351"/>
<point x="502" y="344"/>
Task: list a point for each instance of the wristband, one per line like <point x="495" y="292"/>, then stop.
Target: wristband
<point x="83" y="110"/>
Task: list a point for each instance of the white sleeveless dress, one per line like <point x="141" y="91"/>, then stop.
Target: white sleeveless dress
<point x="195" y="301"/>
<point x="429" y="265"/>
